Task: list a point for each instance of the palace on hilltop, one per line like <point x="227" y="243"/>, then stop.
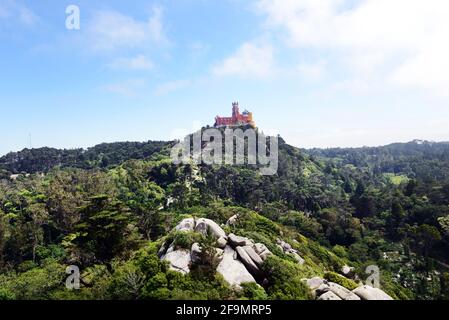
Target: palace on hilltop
<point x="236" y="119"/>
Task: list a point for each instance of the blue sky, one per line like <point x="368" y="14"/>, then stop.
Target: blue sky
<point x="321" y="73"/>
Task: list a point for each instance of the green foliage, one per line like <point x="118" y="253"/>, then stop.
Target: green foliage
<point x="104" y="228"/>
<point x="340" y="251"/>
<point x="5" y="294"/>
<point x="36" y="283"/>
<point x="253" y="291"/>
<point x="184" y="240"/>
<point x="341" y="280"/>
<point x="305" y="225"/>
<point x="284" y="280"/>
<point x="208" y="259"/>
<point x="102" y="155"/>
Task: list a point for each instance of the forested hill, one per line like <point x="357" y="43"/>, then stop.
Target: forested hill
<point x="412" y="158"/>
<point x="323" y="210"/>
<point x="99" y="156"/>
<point x="421" y="159"/>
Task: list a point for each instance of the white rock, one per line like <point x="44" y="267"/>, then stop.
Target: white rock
<point x="222" y="242"/>
<point x="219" y="254"/>
<point x="179" y="260"/>
<point x="247" y="261"/>
<point x="342" y="292"/>
<point x="314" y="282"/>
<point x="186" y="225"/>
<point x="323" y="288"/>
<point x="237" y="241"/>
<point x="329" y="296"/>
<point x="233" y="271"/>
<point x="204" y="225"/>
<point x="369" y="293"/>
<point x="286" y="246"/>
<point x="297" y="257"/>
<point x="195" y="252"/>
<point x="259" y="248"/>
<point x="348" y="271"/>
<point x="233" y="220"/>
<point x="170" y="249"/>
<point x="253" y="255"/>
<point x="262" y="250"/>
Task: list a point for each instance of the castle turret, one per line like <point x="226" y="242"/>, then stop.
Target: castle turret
<point x="235" y="110"/>
<point x="236" y="118"/>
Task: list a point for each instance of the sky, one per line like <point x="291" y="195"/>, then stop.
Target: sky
<point x="321" y="73"/>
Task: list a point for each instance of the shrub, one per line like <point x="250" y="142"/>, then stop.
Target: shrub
<point x="184" y="240"/>
<point x="341" y="280"/>
<point x="284" y="280"/>
<point x="340" y="251"/>
<point x="253" y="291"/>
<point x="5" y="294"/>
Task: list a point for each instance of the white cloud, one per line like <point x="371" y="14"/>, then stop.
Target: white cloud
<point x="250" y="60"/>
<point x="18" y="12"/>
<point x="112" y="30"/>
<point x="400" y="42"/>
<point x="139" y="62"/>
<point x="428" y="69"/>
<point x="127" y="88"/>
<point x="171" y="86"/>
<point x="312" y="71"/>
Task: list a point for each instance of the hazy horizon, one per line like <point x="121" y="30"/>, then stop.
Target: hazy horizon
<point x="167" y="140"/>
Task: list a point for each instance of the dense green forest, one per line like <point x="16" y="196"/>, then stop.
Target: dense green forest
<point x="110" y="208"/>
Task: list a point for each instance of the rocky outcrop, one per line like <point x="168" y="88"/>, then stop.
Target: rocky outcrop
<point x="249" y="250"/>
<point x="179" y="260"/>
<point x="287" y="249"/>
<point x="240" y="261"/>
<point x="163" y="249"/>
<point x="323" y="288"/>
<point x="326" y="290"/>
<point x="195" y="252"/>
<point x="262" y="251"/>
<point x="232" y="221"/>
<point x="329" y="296"/>
<point x="186" y="225"/>
<point x="237" y="241"/>
<point x="348" y="272"/>
<point x="314" y="282"/>
<point x="204" y="225"/>
<point x="297" y="257"/>
<point x="369" y="293"/>
<point x="232" y="270"/>
<point x="248" y="262"/>
<point x="342" y="292"/>
<point x="222" y="242"/>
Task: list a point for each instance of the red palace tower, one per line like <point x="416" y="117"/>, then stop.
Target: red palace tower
<point x="237" y="118"/>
